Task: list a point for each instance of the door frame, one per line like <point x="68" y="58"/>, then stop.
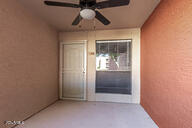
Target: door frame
<point x="61" y="51"/>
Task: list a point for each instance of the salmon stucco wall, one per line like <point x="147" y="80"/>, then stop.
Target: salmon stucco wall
<point x="166" y="59"/>
<point x="28" y="63"/>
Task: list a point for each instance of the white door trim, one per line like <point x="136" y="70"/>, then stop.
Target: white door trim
<point x="84" y="42"/>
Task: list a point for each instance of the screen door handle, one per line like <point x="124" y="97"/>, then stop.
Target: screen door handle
<point x="83" y="70"/>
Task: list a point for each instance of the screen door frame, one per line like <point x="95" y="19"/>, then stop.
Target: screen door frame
<point x="83" y="42"/>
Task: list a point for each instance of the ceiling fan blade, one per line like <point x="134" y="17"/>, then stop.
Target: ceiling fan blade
<point x="61" y="4"/>
<point x="101" y="18"/>
<point x="111" y="3"/>
<point x="77" y="20"/>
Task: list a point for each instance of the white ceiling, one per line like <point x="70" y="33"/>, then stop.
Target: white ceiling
<point x="131" y="16"/>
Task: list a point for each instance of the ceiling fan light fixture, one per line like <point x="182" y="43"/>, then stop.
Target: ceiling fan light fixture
<point x="87" y="14"/>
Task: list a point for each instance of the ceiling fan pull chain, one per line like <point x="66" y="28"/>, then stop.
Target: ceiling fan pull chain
<point x="94" y="24"/>
<point x="94" y="28"/>
<point x="80" y="24"/>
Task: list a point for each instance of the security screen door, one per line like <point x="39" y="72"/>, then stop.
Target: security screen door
<point x="113" y="67"/>
<point x="73" y="73"/>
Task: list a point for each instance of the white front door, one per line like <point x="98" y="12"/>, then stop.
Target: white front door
<point x="73" y="71"/>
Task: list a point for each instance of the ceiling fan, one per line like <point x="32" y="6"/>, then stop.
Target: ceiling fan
<point x="88" y="8"/>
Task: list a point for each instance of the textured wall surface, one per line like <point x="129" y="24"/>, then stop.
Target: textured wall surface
<point x="28" y="63"/>
<point x="166" y="76"/>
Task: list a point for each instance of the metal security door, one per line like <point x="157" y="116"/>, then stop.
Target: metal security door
<point x="73" y="71"/>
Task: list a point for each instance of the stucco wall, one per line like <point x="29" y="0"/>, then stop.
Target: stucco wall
<point x="28" y="63"/>
<point x="91" y="37"/>
<point x="166" y="59"/>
